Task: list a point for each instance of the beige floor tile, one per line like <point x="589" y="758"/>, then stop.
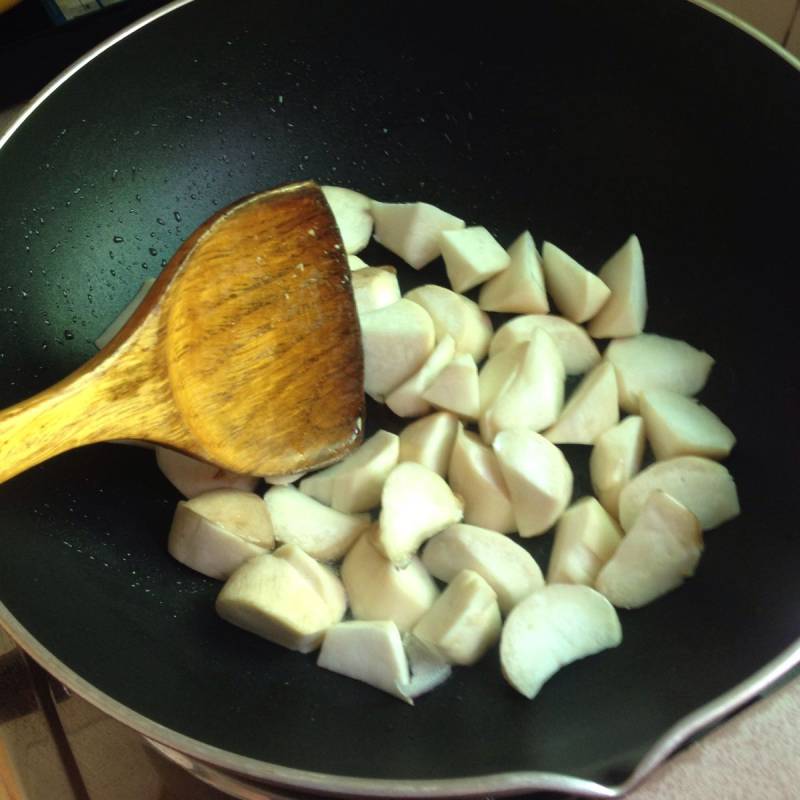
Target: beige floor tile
<point x="772" y="17"/>
<point x="793" y="40"/>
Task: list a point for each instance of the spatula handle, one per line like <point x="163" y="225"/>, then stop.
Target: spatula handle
<point x="100" y="402"/>
<point x="51" y="422"/>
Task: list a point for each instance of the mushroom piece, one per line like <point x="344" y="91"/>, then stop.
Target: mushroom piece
<point x="471" y="256"/>
<point x="269" y="596"/>
<point x="411" y="230"/>
<point x="416" y="504"/>
<point x="577" y="293"/>
<point x="625" y="311"/>
<point x="680" y="426"/>
<point x="616" y="457"/>
<point x="407" y="399"/>
<point x="322" y="532"/>
<point x="577" y="349"/>
<point x="375" y="287"/>
<point x="428" y="668"/>
<point x="429" y="441"/>
<point x="455" y="388"/>
<point x="532" y="398"/>
<point x="519" y="288"/>
<point x="457" y="316"/>
<point x="355" y="483"/>
<point x="590" y="410"/>
<point x="216" y="532"/>
<point x="320" y="577"/>
<point x="552" y="628"/>
<point x="378" y="590"/>
<point x="351" y="210"/>
<point x="476" y="477"/>
<point x="192" y="477"/>
<point x="586" y="537"/>
<point x="705" y="487"/>
<point x="498" y="372"/>
<point x="661" y="550"/>
<point x="508" y="568"/>
<point x="538" y="477"/>
<point x="649" y="361"/>
<point x="397" y="340"/>
<point x="355" y="263"/>
<point x="371" y="652"/>
<point x="464" y="622"/>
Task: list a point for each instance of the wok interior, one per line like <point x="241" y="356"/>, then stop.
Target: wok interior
<point x="583" y="124"/>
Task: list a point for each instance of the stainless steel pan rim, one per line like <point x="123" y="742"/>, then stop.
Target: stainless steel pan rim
<point x="207" y="763"/>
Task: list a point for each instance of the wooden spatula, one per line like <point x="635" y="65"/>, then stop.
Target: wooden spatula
<point x="245" y="353"/>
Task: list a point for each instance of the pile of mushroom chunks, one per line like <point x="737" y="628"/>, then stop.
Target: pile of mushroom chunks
<point x="479" y="466"/>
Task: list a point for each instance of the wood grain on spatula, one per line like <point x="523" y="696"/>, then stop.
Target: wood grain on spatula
<point x="245" y="353"/>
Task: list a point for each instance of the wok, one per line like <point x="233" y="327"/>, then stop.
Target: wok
<point x="584" y="122"/>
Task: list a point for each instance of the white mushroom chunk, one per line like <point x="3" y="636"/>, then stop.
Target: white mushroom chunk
<point x="429" y="441"/>
<point x="411" y="230"/>
<point x="416" y="504"/>
<point x="455" y="388"/>
<point x="577" y="293"/>
<point x="355" y="263"/>
<point x="577" y="349"/>
<point x="661" y="550"/>
<point x="506" y="566"/>
<point x="475" y="476"/>
<point x="376" y="589"/>
<point x="397" y="340"/>
<point x="519" y="288"/>
<point x="371" y="652"/>
<point x="590" y="410"/>
<point x="498" y="372"/>
<point x="355" y="483"/>
<point x="538" y="477"/>
<point x="552" y="628"/>
<point x="119" y="321"/>
<point x="616" y="457"/>
<point x="650" y="361"/>
<point x="270" y="597"/>
<point x="456" y="316"/>
<point x="322" y="532"/>
<point x="322" y="579"/>
<point x="242" y="513"/>
<point x="471" y="256"/>
<point x="358" y="485"/>
<point x="216" y="532"/>
<point x="680" y="426"/>
<point x="586" y="537"/>
<point x="191" y="476"/>
<point x="406" y="400"/>
<point x="533" y="398"/>
<point x="428" y="668"/>
<point x="351" y="210"/>
<point x="625" y="311"/>
<point x="464" y="622"/>
<point x="705" y="487"/>
<point x="374" y="288"/>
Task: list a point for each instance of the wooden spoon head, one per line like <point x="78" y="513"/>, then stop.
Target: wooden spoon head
<point x="263" y="346"/>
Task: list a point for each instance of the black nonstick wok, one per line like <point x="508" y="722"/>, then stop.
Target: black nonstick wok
<point x="584" y="122"/>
